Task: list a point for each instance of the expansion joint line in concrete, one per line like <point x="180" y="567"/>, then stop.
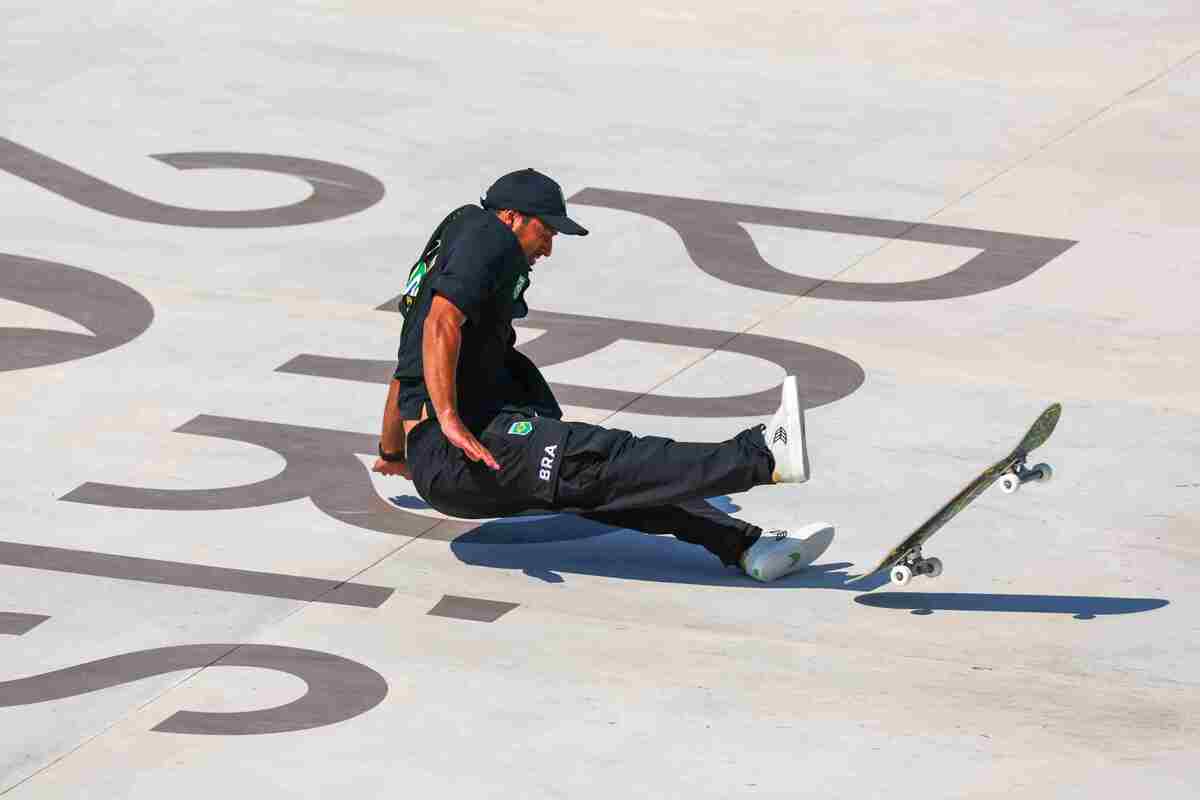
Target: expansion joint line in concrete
<point x="194" y="672"/>
<point x="1069" y="132"/>
<point x="136" y="710"/>
<point x="362" y="571"/>
<point x="1006" y="170"/>
<point x="732" y="335"/>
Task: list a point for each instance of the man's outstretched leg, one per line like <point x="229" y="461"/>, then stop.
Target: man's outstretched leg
<point x="604" y="469"/>
<point x="763" y="555"/>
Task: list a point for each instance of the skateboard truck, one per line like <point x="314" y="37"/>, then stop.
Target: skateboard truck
<point x="914" y="563"/>
<point x="1020" y="475"/>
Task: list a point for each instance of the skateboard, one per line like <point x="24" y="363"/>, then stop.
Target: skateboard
<point x="905" y="559"/>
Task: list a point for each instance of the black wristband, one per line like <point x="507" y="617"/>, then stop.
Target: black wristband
<point x="392" y="457"/>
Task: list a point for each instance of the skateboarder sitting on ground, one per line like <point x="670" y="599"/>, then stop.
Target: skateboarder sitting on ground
<point x="475" y="426"/>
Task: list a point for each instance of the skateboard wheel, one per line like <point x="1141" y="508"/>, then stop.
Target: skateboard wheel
<point x="1010" y="483"/>
<point x="1044" y="472"/>
<point x="901" y="574"/>
<point x="933" y="567"/>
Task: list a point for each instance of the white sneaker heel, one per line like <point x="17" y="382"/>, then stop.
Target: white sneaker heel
<point x="785" y="437"/>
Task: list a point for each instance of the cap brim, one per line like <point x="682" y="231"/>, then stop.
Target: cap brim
<point x="564" y="225"/>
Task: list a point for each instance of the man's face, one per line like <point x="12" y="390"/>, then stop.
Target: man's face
<point x="535" y="237"/>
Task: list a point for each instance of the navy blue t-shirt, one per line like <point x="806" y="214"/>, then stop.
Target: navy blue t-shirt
<point x="484" y="273"/>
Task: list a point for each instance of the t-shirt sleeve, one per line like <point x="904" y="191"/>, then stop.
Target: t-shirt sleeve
<point x="468" y="278"/>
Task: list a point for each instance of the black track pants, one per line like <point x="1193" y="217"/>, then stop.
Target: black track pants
<point x="646" y="483"/>
<point x="693" y="521"/>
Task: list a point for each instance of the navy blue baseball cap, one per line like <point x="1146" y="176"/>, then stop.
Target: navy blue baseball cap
<point x="536" y="195"/>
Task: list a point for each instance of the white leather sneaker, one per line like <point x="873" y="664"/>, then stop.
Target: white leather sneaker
<point x="785" y="437"/>
<point x="779" y="553"/>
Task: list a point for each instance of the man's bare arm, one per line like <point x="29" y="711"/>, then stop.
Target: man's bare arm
<point x="441" y="340"/>
<point x="391" y="438"/>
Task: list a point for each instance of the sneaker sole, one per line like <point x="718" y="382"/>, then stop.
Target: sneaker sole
<point x="816" y="537"/>
<point x="797" y="449"/>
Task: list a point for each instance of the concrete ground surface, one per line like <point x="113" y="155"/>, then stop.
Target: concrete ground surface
<point x="941" y="216"/>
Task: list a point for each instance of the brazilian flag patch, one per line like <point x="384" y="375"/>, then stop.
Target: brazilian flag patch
<point x="522" y="428"/>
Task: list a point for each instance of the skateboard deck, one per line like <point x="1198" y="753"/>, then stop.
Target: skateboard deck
<point x="905" y="559"/>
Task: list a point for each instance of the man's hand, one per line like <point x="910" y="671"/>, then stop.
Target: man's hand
<point x="461" y="437"/>
<point x="392" y="468"/>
